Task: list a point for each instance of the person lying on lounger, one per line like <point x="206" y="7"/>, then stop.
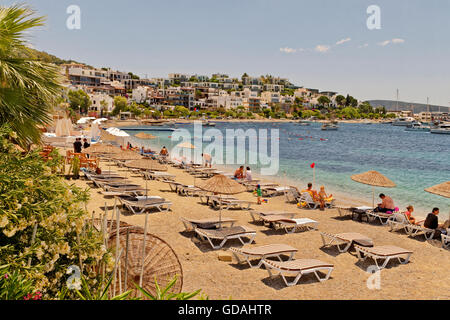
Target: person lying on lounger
<point x="408" y="213"/>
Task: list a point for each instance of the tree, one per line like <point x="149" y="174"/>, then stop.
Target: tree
<point x="340" y="100"/>
<point x="28" y="87"/>
<point x="103" y="108"/>
<point x="365" y="107"/>
<point x="79" y="101"/>
<point x="323" y="101"/>
<point x="182" y="110"/>
<point x="120" y="105"/>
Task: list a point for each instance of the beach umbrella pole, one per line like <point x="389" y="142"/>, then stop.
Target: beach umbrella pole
<point x="143" y="251"/>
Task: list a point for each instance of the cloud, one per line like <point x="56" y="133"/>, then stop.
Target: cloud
<point x="322" y="48"/>
<point x="397" y="41"/>
<point x="288" y="50"/>
<point x="393" y="41"/>
<point x="343" y="41"/>
<point x="365" y="45"/>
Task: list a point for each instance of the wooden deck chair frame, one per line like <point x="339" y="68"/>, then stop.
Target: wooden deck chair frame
<point x="341" y="244"/>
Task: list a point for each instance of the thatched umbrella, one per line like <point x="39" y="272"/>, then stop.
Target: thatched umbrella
<point x="127" y="155"/>
<point x="442" y="190"/>
<point x="146" y="164"/>
<point x="186" y="145"/>
<point x="374" y="179"/>
<point x="102" y="149"/>
<point x="219" y="184"/>
<point x="145" y="136"/>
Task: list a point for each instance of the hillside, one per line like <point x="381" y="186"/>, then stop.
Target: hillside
<point x="49" y="58"/>
<point x="391" y="105"/>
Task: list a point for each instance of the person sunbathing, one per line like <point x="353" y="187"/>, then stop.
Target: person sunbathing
<point x="408" y="214"/>
<point x="386" y="205"/>
<point x="239" y="174"/>
<point x="323" y="198"/>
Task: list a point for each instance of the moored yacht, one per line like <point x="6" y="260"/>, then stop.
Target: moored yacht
<point x="404" y="121"/>
<point x="418" y="127"/>
<point x="443" y="128"/>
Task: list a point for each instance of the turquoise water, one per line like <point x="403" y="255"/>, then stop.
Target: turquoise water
<point x="413" y="160"/>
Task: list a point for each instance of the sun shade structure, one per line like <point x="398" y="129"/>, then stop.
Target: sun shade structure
<point x="220" y="184"/>
<point x="160" y="261"/>
<point x="145" y="136"/>
<point x="374" y="179"/>
<point x="442" y="189"/>
<point x="185" y="145"/>
<point x="127" y="155"/>
<point x="146" y="164"/>
<point x="102" y="148"/>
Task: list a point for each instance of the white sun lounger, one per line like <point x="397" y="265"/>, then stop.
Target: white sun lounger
<point x="144" y="203"/>
<point x="400" y="221"/>
<point x="290" y="225"/>
<point x="226" y="234"/>
<point x="258" y="215"/>
<point x="229" y="203"/>
<point x="192" y="224"/>
<point x="274" y="191"/>
<point x="343" y="241"/>
<point x="446" y="239"/>
<point x="381" y="216"/>
<point x="383" y="253"/>
<point x="298" y="268"/>
<point x="263" y="252"/>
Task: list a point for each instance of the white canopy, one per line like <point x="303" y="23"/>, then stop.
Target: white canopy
<point x="85" y="120"/>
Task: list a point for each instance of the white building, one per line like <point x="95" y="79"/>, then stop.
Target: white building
<point x="100" y="98"/>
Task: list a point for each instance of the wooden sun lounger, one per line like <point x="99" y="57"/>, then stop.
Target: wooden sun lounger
<point x="258" y="215"/>
<point x="346" y="240"/>
<point x="173" y="185"/>
<point x="158" y="175"/>
<point x="279" y="222"/>
<point x="192" y="224"/>
<point x="141" y="205"/>
<point x="383" y="253"/>
<point x="226" y="234"/>
<point x="132" y="193"/>
<point x="263" y="252"/>
<point x="298" y="268"/>
<point x="102" y="182"/>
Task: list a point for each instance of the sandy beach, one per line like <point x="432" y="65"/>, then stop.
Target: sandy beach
<point x="424" y="277"/>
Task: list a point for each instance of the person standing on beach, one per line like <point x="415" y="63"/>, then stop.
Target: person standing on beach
<point x="77" y="145"/>
<point x="258" y="193"/>
<point x="86" y="145"/>
<point x="208" y="159"/>
<point x="386" y="205"/>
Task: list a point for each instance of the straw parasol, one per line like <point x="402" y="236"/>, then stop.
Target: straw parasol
<point x="442" y="190"/>
<point x="146" y="164"/>
<point x="160" y="261"/>
<point x="186" y="145"/>
<point x="219" y="184"/>
<point x="145" y="136"/>
<point x="374" y="179"/>
<point x="102" y="148"/>
<point x="127" y="155"/>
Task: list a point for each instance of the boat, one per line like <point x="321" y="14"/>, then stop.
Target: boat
<point x="403" y="121"/>
<point x="330" y="126"/>
<point x="417" y="127"/>
<point x="304" y="123"/>
<point x="441" y="129"/>
<point x="208" y="124"/>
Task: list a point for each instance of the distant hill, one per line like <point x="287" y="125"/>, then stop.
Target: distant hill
<point x="391" y="105"/>
<point x="49" y="58"/>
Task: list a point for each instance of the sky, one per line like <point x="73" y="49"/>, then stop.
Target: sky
<point x="323" y="44"/>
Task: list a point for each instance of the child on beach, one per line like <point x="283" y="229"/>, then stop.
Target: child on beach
<point x="409" y="211"/>
<point x="259" y="193"/>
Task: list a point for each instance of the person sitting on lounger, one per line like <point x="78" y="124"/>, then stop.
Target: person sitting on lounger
<point x="248" y="174"/>
<point x="313" y="193"/>
<point x="408" y="213"/>
<point x="432" y="222"/>
<point x="208" y="159"/>
<point x="386" y="205"/>
<point x="239" y="174"/>
<point x="323" y="198"/>
<point x="164" y="151"/>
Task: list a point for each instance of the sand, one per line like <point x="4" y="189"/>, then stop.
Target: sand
<point x="425" y="277"/>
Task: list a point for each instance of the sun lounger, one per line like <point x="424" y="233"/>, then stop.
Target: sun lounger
<point x="229" y="203"/>
<point x="173" y="185"/>
<point x="383" y="253"/>
<point x="343" y="241"/>
<point x="138" y="205"/>
<point x="130" y="193"/>
<point x="381" y="216"/>
<point x="189" y="191"/>
<point x="344" y="211"/>
<point x="258" y="215"/>
<point x="99" y="183"/>
<point x="263" y="252"/>
<point x="306" y="197"/>
<point x="192" y="224"/>
<point x="274" y="191"/>
<point x="251" y="185"/>
<point x="156" y="175"/>
<point x="290" y="225"/>
<point x="298" y="268"/>
<point x="292" y="195"/>
<point x="226" y="234"/>
<point x="400" y="221"/>
<point x="445" y="239"/>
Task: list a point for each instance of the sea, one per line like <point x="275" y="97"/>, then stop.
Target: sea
<point x="413" y="160"/>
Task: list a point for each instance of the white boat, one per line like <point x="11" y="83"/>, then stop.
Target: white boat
<point x="404" y="121"/>
<point x="418" y="127"/>
<point x="441" y="129"/>
<point x="208" y="124"/>
<point x="330" y="126"/>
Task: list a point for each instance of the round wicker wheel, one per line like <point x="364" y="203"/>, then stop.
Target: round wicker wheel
<point x="160" y="263"/>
